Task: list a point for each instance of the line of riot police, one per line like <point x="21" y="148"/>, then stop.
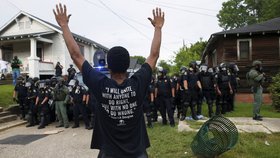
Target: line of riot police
<point x="194" y="85"/>
<point x="44" y="101"/>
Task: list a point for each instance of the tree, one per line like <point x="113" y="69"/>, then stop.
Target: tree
<point x="185" y="55"/>
<point x="141" y="59"/>
<point x="239" y="13"/>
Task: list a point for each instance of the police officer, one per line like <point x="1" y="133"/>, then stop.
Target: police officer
<point x="165" y="93"/>
<point x="42" y="103"/>
<point x="257" y="77"/>
<point x="223" y="89"/>
<point x="148" y="103"/>
<point x="71" y="73"/>
<point x="60" y="96"/>
<point x="51" y="117"/>
<point x="19" y="96"/>
<point x="208" y="84"/>
<point x="233" y="74"/>
<point x="191" y="93"/>
<point x="182" y="91"/>
<point x="30" y="102"/>
<point x="78" y="97"/>
<point x="199" y="101"/>
<point x="91" y="103"/>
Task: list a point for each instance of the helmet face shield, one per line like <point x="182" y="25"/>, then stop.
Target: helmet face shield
<point x="27" y="84"/>
<point x="203" y="68"/>
<point x="236" y="69"/>
<point x="42" y="85"/>
<point x="210" y="70"/>
<point x="72" y="83"/>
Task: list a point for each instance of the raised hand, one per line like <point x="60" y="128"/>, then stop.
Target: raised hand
<point x="61" y="15"/>
<point x="158" y="20"/>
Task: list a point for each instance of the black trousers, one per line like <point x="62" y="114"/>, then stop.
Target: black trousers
<point x="22" y="105"/>
<point x="102" y="154"/>
<point x="77" y="109"/>
<point x="166" y="107"/>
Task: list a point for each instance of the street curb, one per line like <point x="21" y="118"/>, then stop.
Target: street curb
<point x="11" y="125"/>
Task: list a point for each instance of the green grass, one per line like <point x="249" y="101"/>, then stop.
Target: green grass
<point x="6" y="95"/>
<point x="167" y="142"/>
<point x="244" y="110"/>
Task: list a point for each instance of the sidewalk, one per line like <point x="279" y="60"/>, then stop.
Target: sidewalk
<point x="245" y="124"/>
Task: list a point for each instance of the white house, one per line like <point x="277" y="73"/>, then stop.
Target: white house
<point x="40" y="45"/>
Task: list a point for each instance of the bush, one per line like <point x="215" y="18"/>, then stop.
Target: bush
<point x="274" y="89"/>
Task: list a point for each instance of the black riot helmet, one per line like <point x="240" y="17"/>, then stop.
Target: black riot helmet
<point x="183" y="70"/>
<point x="223" y="67"/>
<point x="48" y="82"/>
<point x="42" y="84"/>
<point x="203" y="68"/>
<point x="162" y="72"/>
<point x="53" y="81"/>
<point x="233" y="67"/>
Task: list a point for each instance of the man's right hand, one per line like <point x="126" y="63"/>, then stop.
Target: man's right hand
<point x="61" y="15"/>
<point x="158" y="20"/>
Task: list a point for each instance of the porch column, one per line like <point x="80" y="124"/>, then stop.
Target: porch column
<point x="1" y="54"/>
<point x="33" y="60"/>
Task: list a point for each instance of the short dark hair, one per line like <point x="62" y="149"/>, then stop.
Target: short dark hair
<point x="118" y="59"/>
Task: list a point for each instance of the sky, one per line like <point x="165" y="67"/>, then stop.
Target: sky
<point x="124" y="22"/>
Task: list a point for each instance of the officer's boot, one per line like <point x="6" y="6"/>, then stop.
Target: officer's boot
<point x="76" y="122"/>
<point x="149" y="120"/>
<point x="184" y="111"/>
<point x="30" y="120"/>
<point x="210" y="110"/>
<point x="193" y="112"/>
<point x="43" y="122"/>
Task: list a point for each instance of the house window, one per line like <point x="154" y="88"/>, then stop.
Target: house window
<point x="82" y="49"/>
<point x="244" y="49"/>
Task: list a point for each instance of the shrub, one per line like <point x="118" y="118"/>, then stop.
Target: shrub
<point x="274" y="89"/>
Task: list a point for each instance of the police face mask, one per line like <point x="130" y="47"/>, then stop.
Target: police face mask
<point x="259" y="68"/>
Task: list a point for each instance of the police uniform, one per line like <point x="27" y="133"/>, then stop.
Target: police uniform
<point x="21" y="92"/>
<point x="223" y="85"/>
<point x="60" y="97"/>
<point x="234" y="83"/>
<point x="257" y="78"/>
<point x="30" y="102"/>
<point x="92" y="103"/>
<point x="78" y="93"/>
<point x="164" y="88"/>
<point x="148" y="104"/>
<point x="43" y="107"/>
<point x="190" y="95"/>
<point x="207" y="81"/>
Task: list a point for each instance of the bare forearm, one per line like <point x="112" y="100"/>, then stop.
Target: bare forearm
<point x="73" y="47"/>
<point x="155" y="48"/>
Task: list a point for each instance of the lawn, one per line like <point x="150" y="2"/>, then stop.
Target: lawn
<point x="167" y="142"/>
<point x="6" y="95"/>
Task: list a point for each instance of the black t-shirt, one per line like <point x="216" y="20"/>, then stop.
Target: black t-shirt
<point x="21" y="90"/>
<point x="120" y="129"/>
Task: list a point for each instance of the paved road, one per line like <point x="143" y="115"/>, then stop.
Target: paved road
<point x="69" y="143"/>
